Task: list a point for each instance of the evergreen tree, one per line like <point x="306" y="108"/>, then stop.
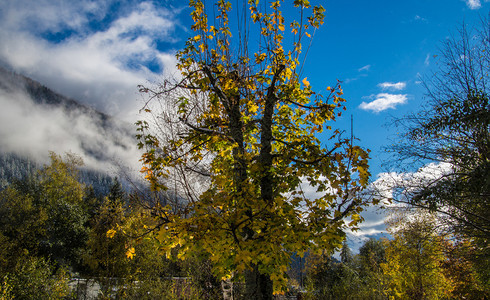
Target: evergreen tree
<point x="346" y="254"/>
<point x="116" y="192"/>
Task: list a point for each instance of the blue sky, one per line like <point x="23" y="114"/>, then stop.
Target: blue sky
<point x="380" y="50"/>
<point x="99" y="51"/>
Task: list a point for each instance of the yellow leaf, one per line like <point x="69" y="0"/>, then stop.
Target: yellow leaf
<point x="227" y="276"/>
<point x="111" y="233"/>
<point x="305" y="82"/>
<point x="308" y="35"/>
<point x="130" y="253"/>
<point x="203" y="47"/>
<point x="253" y="108"/>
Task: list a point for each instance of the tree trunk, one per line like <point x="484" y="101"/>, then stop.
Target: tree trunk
<point x="257" y="286"/>
<point x="227" y="288"/>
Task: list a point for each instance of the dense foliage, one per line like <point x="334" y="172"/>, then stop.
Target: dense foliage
<point x="419" y="262"/>
<point x="237" y="135"/>
<point x="54" y="229"/>
<point x="127" y="263"/>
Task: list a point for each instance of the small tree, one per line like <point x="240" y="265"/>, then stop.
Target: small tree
<point x="116" y="192"/>
<point x="34" y="278"/>
<point x="414" y="259"/>
<point x="328" y="278"/>
<point x="346" y="254"/>
<point x="460" y="268"/>
<point x="371" y="256"/>
<point x="237" y="140"/>
<point x="106" y="247"/>
<point x="60" y="193"/>
<point x="46" y="214"/>
<point x="22" y="228"/>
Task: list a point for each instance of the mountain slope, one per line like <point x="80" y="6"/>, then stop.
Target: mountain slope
<point x="35" y="120"/>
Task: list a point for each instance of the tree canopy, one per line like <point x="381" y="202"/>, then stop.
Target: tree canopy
<point x="236" y="136"/>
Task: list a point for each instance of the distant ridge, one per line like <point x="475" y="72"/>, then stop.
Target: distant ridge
<point x="11" y="81"/>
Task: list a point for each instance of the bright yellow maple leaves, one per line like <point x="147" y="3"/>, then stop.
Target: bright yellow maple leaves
<point x="130" y="253"/>
<point x="111" y="233"/>
<point x="306" y="83"/>
<point x="230" y="88"/>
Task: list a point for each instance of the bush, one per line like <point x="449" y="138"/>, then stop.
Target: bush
<point x="35" y="279"/>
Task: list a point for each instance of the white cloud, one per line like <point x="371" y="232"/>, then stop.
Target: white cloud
<point x="387" y="183"/>
<point x="393" y="86"/>
<point x="100" y="67"/>
<point x="473" y="4"/>
<point x="427" y="59"/>
<point x="383" y="102"/>
<point x="363" y="70"/>
<point x="53" y="16"/>
<point x="386" y="187"/>
<point x="373" y="225"/>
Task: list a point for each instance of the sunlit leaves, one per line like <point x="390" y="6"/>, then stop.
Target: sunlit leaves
<point x="250" y="121"/>
<point x="111" y="233"/>
<point x="414" y="260"/>
<point x="130" y="253"/>
<point x="306" y="83"/>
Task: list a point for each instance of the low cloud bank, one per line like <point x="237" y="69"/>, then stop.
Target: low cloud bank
<point x="32" y="130"/>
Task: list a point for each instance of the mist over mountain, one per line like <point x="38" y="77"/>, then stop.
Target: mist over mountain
<point x="35" y="120"/>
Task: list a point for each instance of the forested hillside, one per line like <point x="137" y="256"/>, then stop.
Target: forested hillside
<point x="14" y="168"/>
<point x="12" y="82"/>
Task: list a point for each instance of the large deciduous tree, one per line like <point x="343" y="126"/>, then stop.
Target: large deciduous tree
<point x="236" y="136"/>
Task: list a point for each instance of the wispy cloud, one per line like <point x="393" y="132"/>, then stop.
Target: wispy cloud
<point x="100" y="66"/>
<point x="473" y="4"/>
<point x="420" y="19"/>
<point x="427" y="59"/>
<point x="363" y="73"/>
<point x="365" y="68"/>
<point x="384" y="101"/>
<point x="392" y="86"/>
<point x="418" y="78"/>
